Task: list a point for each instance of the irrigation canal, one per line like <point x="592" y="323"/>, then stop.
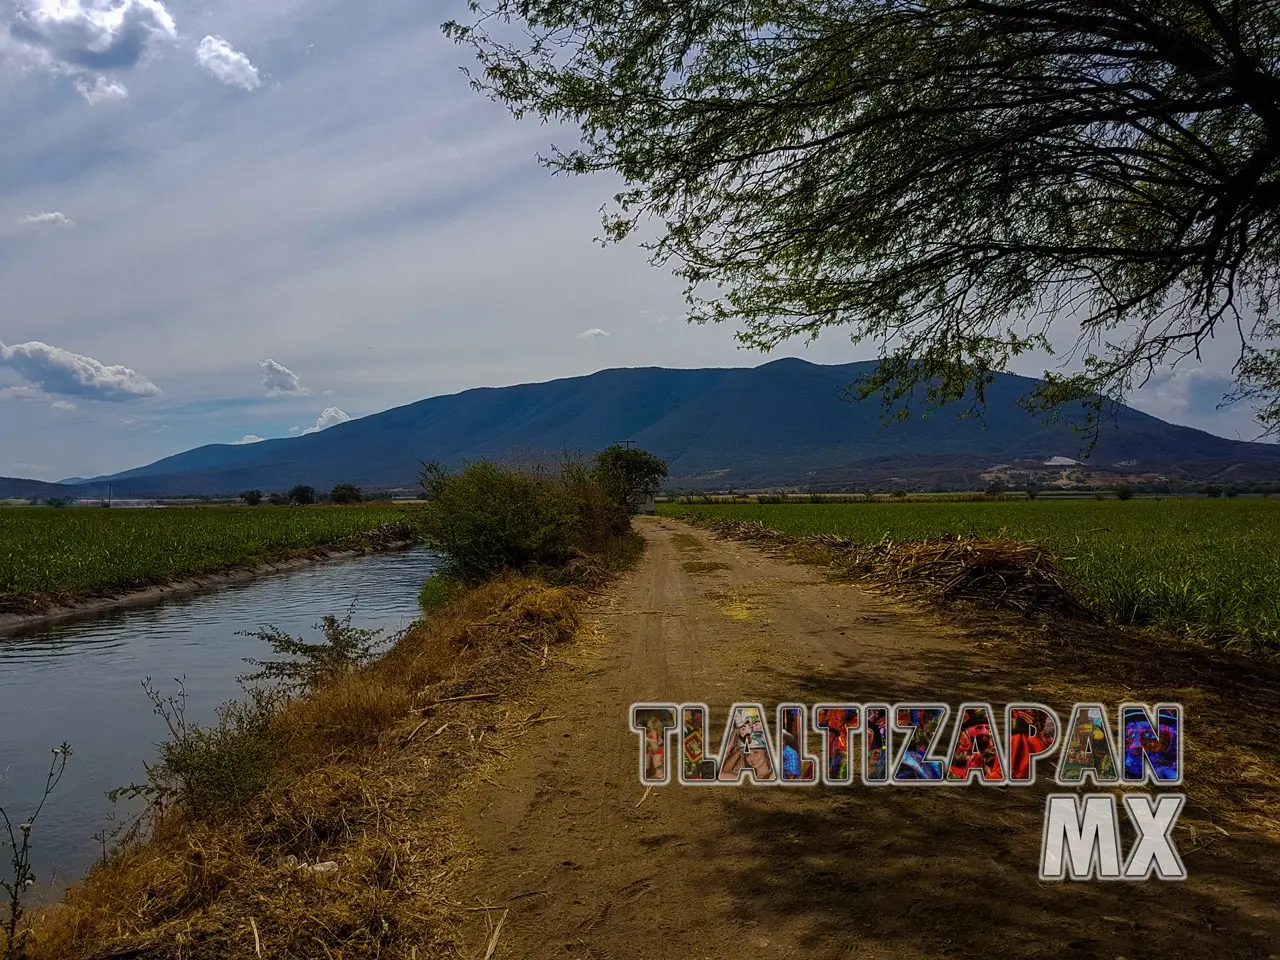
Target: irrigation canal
<point x="81" y="681"/>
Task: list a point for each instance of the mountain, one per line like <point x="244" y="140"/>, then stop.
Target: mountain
<point x="782" y="423"/>
<point x="15" y="487"/>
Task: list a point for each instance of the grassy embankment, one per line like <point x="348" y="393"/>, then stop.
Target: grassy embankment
<point x="1207" y="568"/>
<point x="313" y="820"/>
<point x="50" y="557"/>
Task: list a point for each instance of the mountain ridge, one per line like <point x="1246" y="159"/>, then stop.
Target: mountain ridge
<point x="770" y="425"/>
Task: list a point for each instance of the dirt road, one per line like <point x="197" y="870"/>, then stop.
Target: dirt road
<point x="587" y="866"/>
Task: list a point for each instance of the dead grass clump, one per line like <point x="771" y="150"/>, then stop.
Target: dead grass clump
<point x="996" y="573"/>
<point x="343" y="716"/>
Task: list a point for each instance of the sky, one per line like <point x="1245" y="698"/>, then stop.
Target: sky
<point x="242" y="219"/>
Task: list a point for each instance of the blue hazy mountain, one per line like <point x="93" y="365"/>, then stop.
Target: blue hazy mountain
<point x="785" y="422"/>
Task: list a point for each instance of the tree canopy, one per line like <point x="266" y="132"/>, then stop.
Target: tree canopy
<point x="629" y="475"/>
<point x="947" y="179"/>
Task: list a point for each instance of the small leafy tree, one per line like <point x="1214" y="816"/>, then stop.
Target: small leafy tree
<point x="629" y="476"/>
<point x="302" y="495"/>
<point x="278" y="500"/>
<point x="1212" y="491"/>
<point x="1033" y="490"/>
<point x="345" y="493"/>
<point x="252" y="497"/>
<point x="1123" y="491"/>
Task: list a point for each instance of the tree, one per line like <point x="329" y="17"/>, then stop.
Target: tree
<point x="1033" y="490"/>
<point x="629" y="475"/>
<point x="345" y="493"/>
<point x="1123" y="491"/>
<point x="951" y="179"/>
<point x="302" y="495"/>
<point x="278" y="500"/>
<point x="252" y="497"/>
<point x="1212" y="491"/>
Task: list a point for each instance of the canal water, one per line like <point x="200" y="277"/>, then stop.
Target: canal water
<point x="80" y="681"/>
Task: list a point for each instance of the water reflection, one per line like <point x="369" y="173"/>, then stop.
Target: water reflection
<point x="80" y="681"/>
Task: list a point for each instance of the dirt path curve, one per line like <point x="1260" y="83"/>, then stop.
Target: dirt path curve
<point x="587" y="866"/>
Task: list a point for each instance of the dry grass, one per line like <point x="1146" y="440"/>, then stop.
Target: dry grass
<point x="703" y="566"/>
<point x="738" y="606"/>
<point x="687" y="542"/>
<point x="371" y="762"/>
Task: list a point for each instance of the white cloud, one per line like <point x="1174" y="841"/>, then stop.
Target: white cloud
<point x="90" y="36"/>
<point x="21" y="392"/>
<point x="62" y="405"/>
<point x="1168" y="394"/>
<point x="328" y="393"/>
<point x="330" y="417"/>
<point x="52" y="219"/>
<point x="279" y="380"/>
<point x="61" y="372"/>
<point x="227" y="64"/>
<point x="101" y="90"/>
<point x="31" y="467"/>
<point x="595" y="333"/>
<point x="248" y="438"/>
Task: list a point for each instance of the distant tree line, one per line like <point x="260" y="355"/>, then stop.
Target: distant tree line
<point x="304" y="495"/>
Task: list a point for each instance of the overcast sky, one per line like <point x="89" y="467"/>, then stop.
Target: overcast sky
<point x="256" y="218"/>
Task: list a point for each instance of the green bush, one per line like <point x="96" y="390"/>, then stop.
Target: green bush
<point x="212" y="771"/>
<point x="441" y="587"/>
<point x="565" y="524"/>
<point x="488" y="519"/>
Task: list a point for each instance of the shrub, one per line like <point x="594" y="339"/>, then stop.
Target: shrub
<point x="212" y="771"/>
<point x="567" y="524"/>
<point x="440" y="588"/>
<point x="488" y="519"/>
<point x="252" y="497"/>
<point x="1123" y="491"/>
<point x="344" y="650"/>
